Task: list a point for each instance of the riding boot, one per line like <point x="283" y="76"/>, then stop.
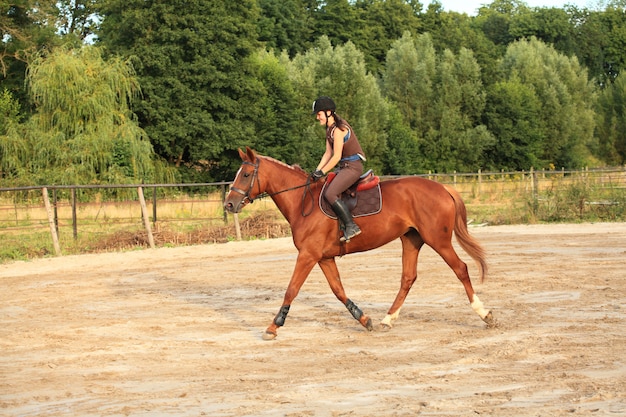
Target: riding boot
<point x="351" y="228"/>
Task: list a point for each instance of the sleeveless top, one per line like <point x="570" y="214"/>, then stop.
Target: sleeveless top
<point x="351" y="145"/>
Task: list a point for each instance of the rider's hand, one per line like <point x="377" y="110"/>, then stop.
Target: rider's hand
<point x="316" y="175"/>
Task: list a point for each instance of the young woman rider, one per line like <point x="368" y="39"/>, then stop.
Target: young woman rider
<point x="342" y="150"/>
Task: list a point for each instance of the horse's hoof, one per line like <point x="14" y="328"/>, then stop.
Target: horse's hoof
<point x="369" y="325"/>
<point x="269" y="336"/>
<point x="490" y="320"/>
<point x="384" y="327"/>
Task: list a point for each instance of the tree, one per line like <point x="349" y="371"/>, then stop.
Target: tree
<point x="83" y="131"/>
<point x="548" y="24"/>
<point x="513" y="114"/>
<point x="566" y="96"/>
<point x="338" y="20"/>
<point x="276" y="128"/>
<point x="441" y="99"/>
<point x="193" y="63"/>
<point x="77" y="17"/>
<point x="285" y="25"/>
<point x="25" y="28"/>
<point x="453" y="31"/>
<point x="601" y="41"/>
<point x="13" y="150"/>
<point x="382" y="22"/>
<point x="611" y="129"/>
<point x="457" y="139"/>
<point x="340" y="72"/>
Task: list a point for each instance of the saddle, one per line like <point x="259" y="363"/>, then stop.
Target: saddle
<point x="363" y="198"/>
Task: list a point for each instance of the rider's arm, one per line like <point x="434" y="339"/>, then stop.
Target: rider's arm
<point x="336" y="151"/>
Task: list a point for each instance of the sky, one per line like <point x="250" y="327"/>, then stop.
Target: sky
<point x="471" y="6"/>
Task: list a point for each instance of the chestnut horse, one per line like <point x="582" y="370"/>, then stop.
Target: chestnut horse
<point x="417" y="210"/>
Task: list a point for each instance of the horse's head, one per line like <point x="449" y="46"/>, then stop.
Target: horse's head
<point x="243" y="189"/>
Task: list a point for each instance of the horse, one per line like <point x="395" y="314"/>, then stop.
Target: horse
<point x="417" y="210"/>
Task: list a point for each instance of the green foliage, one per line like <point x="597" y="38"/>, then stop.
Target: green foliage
<point x="340" y="72"/>
<point x="425" y="89"/>
<point x="442" y="99"/>
<point x="199" y="92"/>
<point x="13" y="150"/>
<point x="566" y="97"/>
<point x="381" y="22"/>
<point x="611" y="129"/>
<point x="83" y="131"/>
<point x="285" y="25"/>
<point x="512" y="114"/>
<point x="279" y="108"/>
<point x="601" y="40"/>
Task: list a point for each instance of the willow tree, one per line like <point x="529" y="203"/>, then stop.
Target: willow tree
<point x="12" y="149"/>
<point x="83" y="130"/>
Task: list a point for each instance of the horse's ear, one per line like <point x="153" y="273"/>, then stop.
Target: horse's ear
<point x="242" y="155"/>
<point x="251" y="154"/>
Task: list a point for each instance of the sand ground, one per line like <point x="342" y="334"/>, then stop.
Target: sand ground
<point x="177" y="332"/>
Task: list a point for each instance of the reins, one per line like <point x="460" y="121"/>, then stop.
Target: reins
<point x="307" y="191"/>
<point x="306" y="186"/>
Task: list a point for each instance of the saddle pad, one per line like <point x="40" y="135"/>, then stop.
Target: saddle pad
<point x="368" y="202"/>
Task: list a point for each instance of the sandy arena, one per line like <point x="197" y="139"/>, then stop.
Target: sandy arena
<point x="177" y="332"/>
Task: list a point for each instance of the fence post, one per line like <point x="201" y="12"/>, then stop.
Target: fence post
<point x="74" y="220"/>
<point x="53" y="230"/>
<point x="146" y="218"/>
<point x="154" y="205"/>
<point x="54" y="208"/>
<point x="533" y="187"/>
<point x="237" y="226"/>
<point x="223" y="201"/>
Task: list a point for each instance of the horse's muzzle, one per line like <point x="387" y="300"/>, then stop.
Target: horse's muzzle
<point x="230" y="207"/>
<point x="234" y="205"/>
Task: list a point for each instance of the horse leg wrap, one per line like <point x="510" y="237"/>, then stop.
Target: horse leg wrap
<point x="279" y="320"/>
<point x="354" y="310"/>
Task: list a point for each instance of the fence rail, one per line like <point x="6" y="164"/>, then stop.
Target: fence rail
<point x="54" y="207"/>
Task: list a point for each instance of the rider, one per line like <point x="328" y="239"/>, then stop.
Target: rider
<point x="343" y="148"/>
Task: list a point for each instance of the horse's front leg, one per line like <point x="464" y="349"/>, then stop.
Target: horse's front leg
<point x="411" y="245"/>
<point x="304" y="265"/>
<point x="329" y="268"/>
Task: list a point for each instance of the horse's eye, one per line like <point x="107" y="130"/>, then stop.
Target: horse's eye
<point x="246" y="174"/>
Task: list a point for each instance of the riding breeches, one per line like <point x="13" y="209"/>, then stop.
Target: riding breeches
<point x="349" y="173"/>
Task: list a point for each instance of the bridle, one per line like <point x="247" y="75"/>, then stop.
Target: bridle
<point x="255" y="177"/>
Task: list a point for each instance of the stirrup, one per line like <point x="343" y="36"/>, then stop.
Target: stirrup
<point x="354" y="233"/>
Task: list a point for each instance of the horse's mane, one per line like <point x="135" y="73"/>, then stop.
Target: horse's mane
<point x="296" y="168"/>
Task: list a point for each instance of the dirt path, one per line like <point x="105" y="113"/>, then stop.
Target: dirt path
<point x="177" y="332"/>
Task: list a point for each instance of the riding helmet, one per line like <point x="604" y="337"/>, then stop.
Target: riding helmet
<point x="323" y="104"/>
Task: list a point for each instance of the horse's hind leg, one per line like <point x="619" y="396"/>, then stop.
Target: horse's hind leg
<point x="459" y="267"/>
<point x="329" y="267"/>
<point x="411" y="245"/>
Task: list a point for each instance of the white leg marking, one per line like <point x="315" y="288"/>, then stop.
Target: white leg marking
<point x="479" y="308"/>
<point x="390" y="318"/>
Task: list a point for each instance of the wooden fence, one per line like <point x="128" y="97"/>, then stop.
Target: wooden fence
<point x="52" y="207"/>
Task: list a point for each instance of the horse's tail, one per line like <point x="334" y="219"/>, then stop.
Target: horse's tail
<point x="467" y="242"/>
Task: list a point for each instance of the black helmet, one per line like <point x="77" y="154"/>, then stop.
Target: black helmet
<point x="323" y="104"/>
